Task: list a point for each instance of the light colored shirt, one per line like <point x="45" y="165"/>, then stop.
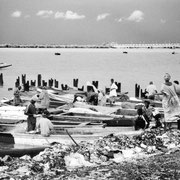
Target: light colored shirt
<point x="44" y="97"/>
<point x="113" y="89"/>
<point x="44" y="125"/>
<point x="151" y="89"/>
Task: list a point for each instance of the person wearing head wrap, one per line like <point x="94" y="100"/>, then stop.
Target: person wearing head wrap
<point x="17" y="96"/>
<point x="170" y="101"/>
<point x="31" y="113"/>
<point x="44" y="98"/>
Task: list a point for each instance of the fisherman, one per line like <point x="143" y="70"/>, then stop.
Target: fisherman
<point x="101" y="98"/>
<point x="30" y="111"/>
<point x="113" y="93"/>
<point x="44" y="126"/>
<point x="17" y="98"/>
<point x="44" y="98"/>
<point x="140" y="122"/>
<point x="92" y="97"/>
<point x="151" y="91"/>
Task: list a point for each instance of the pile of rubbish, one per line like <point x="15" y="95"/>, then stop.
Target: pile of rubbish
<point x="60" y="159"/>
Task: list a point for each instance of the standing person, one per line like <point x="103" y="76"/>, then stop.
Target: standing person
<point x="44" y="125"/>
<point x="44" y="98"/>
<point x="101" y="98"/>
<point x="31" y="113"/>
<point x="17" y="96"/>
<point x="170" y="101"/>
<point x="151" y="90"/>
<point x="113" y="93"/>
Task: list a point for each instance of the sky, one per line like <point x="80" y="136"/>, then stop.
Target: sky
<point x="84" y="22"/>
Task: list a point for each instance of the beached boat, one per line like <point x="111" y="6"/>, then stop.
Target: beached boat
<point x="4" y="65"/>
<point x="18" y="150"/>
<point x="70" y="136"/>
<point x="12" y="114"/>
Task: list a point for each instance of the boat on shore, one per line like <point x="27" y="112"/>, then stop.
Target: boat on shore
<point x="69" y="136"/>
<point x="4" y="65"/>
<point x="15" y="150"/>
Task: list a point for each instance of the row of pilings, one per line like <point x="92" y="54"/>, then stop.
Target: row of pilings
<point x="139" y="93"/>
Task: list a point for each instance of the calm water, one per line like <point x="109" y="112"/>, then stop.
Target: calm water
<point x="138" y="66"/>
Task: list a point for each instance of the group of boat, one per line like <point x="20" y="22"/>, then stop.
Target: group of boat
<point x="73" y="122"/>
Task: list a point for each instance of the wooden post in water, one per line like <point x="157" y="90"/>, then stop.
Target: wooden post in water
<point x="75" y="82"/>
<point x="50" y="82"/>
<point x="23" y="78"/>
<point x="33" y="83"/>
<point x="26" y="86"/>
<point x="63" y="87"/>
<point x="107" y="90"/>
<point x="95" y="83"/>
<point x="56" y="83"/>
<point x="39" y="80"/>
<point x="143" y="93"/>
<point x="81" y="89"/>
<point x="44" y="83"/>
<point x="137" y="90"/>
<point x="17" y="83"/>
<point x="119" y="87"/>
<point x="1" y="79"/>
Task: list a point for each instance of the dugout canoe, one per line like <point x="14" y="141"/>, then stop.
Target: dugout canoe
<point x="64" y="138"/>
<point x="109" y="120"/>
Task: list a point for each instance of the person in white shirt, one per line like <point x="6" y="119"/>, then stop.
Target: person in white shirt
<point x="44" y="98"/>
<point x="43" y="125"/>
<point x="151" y="90"/>
<point x="113" y="93"/>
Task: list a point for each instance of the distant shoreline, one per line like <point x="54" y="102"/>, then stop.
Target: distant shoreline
<point x="104" y="46"/>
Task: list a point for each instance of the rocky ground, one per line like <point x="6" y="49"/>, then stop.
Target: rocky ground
<point x="155" y="154"/>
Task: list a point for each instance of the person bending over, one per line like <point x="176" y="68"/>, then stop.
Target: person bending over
<point x="44" y="126"/>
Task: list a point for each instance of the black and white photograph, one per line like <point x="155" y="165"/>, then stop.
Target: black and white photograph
<point x="89" y="89"/>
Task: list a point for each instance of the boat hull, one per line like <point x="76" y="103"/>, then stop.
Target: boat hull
<point x="81" y="134"/>
<point x="4" y="65"/>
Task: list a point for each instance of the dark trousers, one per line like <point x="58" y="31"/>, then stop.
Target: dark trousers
<point x="31" y="123"/>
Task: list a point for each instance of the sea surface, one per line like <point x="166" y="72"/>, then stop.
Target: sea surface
<point x="137" y="66"/>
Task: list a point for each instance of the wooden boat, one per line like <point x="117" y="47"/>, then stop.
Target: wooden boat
<point x="57" y="53"/>
<point x="12" y="114"/>
<point x="67" y="137"/>
<point x="109" y="120"/>
<point x="4" y="65"/>
<point x="15" y="150"/>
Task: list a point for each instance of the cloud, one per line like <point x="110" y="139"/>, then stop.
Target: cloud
<point x="16" y="14"/>
<point x="44" y="13"/>
<point x="59" y="15"/>
<point x="136" y="16"/>
<point x="68" y="15"/>
<point x="102" y="16"/>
